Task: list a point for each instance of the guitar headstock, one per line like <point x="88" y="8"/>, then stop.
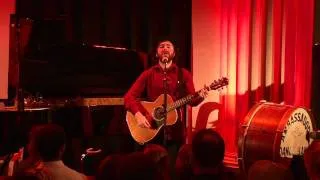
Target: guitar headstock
<point x="219" y="84"/>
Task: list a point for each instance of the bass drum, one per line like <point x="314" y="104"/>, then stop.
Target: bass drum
<point x="273" y="132"/>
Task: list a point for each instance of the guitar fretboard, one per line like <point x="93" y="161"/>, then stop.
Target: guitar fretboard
<point x="185" y="100"/>
<point x="180" y="103"/>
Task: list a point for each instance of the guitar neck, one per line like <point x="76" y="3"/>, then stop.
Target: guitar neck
<point x="183" y="101"/>
<point x="180" y="102"/>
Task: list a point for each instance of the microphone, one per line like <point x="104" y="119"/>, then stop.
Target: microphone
<point x="165" y="59"/>
<point x="313" y="135"/>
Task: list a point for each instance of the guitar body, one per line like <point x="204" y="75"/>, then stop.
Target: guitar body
<point x="143" y="135"/>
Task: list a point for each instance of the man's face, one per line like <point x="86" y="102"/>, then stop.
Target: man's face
<point x="165" y="51"/>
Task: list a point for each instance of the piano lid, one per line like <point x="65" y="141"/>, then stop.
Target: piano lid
<point x="74" y="70"/>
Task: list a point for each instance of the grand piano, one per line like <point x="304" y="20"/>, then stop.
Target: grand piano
<point x="79" y="76"/>
<point x="76" y="85"/>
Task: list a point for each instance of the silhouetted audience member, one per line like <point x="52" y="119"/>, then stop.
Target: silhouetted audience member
<point x="18" y="178"/>
<point x="312" y="160"/>
<point x="203" y="159"/>
<point x="109" y="168"/>
<point x="208" y="148"/>
<point x="184" y="162"/>
<point x="135" y="165"/>
<point x="46" y="147"/>
<point x="298" y="168"/>
<point x="161" y="158"/>
<point x="267" y="170"/>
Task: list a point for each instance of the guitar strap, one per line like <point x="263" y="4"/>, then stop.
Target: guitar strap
<point x="180" y="84"/>
<point x="181" y="92"/>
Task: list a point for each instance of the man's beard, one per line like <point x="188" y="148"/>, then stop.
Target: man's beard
<point x="165" y="58"/>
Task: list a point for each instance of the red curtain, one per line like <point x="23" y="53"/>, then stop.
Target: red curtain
<point x="265" y="49"/>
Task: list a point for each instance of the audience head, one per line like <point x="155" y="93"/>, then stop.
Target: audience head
<point x="312" y="160"/>
<point x="160" y="157"/>
<point x="109" y="168"/>
<point x="157" y="153"/>
<point x="183" y="166"/>
<point x="137" y="165"/>
<point x="267" y="170"/>
<point x="47" y="142"/>
<point x="127" y="166"/>
<point x="208" y="148"/>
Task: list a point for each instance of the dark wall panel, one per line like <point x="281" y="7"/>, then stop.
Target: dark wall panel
<point x="125" y="23"/>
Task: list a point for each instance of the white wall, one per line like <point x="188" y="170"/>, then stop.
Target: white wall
<point x="6" y="8"/>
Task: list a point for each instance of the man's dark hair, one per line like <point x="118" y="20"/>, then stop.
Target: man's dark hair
<point x="208" y="148"/>
<point x="48" y="140"/>
<point x="165" y="38"/>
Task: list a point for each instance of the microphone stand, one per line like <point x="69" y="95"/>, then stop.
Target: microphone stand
<point x="19" y="97"/>
<point x="19" y="90"/>
<point x="165" y="104"/>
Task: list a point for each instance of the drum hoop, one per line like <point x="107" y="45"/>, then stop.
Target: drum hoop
<point x="248" y="119"/>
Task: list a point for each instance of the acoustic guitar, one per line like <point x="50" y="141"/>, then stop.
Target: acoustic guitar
<point x="143" y="135"/>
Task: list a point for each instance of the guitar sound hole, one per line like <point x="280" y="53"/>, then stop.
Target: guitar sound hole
<point x="158" y="113"/>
